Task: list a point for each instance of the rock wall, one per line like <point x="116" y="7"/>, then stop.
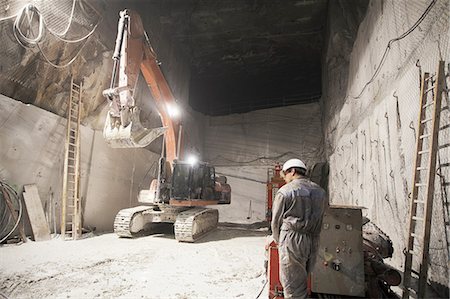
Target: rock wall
<point x="111" y="178"/>
<point x="370" y="120"/>
<point x="27" y="73"/>
<point x="244" y="146"/>
<point x="32" y="152"/>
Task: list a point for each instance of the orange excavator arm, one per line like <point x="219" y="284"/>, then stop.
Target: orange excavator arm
<point x="133" y="54"/>
<point x="193" y="185"/>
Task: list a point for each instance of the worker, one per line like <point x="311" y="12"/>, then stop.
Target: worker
<point x="297" y="219"/>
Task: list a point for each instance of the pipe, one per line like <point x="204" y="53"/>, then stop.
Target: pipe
<point x="119" y="41"/>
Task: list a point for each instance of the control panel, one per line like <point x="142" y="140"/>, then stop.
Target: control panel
<point x="339" y="267"/>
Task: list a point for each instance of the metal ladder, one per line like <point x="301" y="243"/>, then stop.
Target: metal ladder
<point x="421" y="205"/>
<point x="71" y="203"/>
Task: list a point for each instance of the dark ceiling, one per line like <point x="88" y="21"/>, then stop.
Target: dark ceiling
<point x="243" y="54"/>
<point x="247" y="55"/>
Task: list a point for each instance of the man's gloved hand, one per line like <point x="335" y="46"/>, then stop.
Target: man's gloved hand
<point x="269" y="240"/>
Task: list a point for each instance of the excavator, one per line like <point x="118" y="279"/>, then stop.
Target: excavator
<point x="182" y="189"/>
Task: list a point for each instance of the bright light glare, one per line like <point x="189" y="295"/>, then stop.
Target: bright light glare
<point x="173" y="110"/>
<point x="192" y="160"/>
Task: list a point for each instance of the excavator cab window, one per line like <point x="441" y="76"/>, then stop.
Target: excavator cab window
<point x="192" y="181"/>
<point x="180" y="181"/>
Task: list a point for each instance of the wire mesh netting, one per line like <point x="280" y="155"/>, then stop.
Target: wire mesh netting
<point x="374" y="141"/>
<point x="55" y="31"/>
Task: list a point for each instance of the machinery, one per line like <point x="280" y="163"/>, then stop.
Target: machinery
<point x="349" y="262"/>
<point x="181" y="190"/>
<point x="350" y="255"/>
<point x="339" y="267"/>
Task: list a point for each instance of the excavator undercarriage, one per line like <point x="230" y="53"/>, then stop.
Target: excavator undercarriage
<point x="190" y="224"/>
<point x="167" y="203"/>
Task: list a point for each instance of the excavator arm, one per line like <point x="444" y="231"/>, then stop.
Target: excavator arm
<point x="180" y="192"/>
<point x="181" y="184"/>
<point x="134" y="54"/>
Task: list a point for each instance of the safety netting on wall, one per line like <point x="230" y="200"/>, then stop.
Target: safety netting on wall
<point x="55" y="31"/>
<point x="372" y="136"/>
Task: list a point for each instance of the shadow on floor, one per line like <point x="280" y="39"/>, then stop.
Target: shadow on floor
<point x="224" y="231"/>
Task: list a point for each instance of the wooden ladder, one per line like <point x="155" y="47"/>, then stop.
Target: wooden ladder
<point x="71" y="203"/>
<point x="421" y="205"/>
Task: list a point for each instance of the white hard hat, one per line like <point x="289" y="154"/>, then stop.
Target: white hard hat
<point x="293" y="163"/>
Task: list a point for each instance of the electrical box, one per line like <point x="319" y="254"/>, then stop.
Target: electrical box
<point x="339" y="267"/>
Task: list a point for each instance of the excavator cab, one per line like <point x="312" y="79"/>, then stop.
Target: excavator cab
<point x="193" y="181"/>
<point x="198" y="182"/>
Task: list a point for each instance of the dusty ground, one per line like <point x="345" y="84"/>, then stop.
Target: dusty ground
<point x="227" y="263"/>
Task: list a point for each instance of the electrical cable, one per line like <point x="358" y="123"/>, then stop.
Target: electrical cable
<point x="26" y="42"/>
<point x="8" y="18"/>
<point x="69" y="22"/>
<point x="262" y="289"/>
<point x="60" y="35"/>
<point x="64" y="65"/>
<point x="257" y="159"/>
<point x="388" y="48"/>
<point x="13" y="196"/>
<point x="143" y="178"/>
<point x="241" y="177"/>
<point x="74" y="41"/>
<point x="22" y="39"/>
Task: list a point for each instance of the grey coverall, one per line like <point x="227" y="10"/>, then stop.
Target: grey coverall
<point x="297" y="219"/>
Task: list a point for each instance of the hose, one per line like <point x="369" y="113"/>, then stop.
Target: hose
<point x="262" y="289"/>
<point x="27" y="13"/>
<point x="14" y="197"/>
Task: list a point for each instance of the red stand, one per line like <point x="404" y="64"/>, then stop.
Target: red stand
<point x="273" y="273"/>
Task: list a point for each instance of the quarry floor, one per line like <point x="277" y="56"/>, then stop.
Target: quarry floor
<point x="227" y="263"/>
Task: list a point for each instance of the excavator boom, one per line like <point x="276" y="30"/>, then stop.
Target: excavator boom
<point x="134" y="54"/>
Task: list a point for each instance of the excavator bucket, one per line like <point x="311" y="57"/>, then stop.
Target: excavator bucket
<point x="129" y="136"/>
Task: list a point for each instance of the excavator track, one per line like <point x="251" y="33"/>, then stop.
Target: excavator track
<point x="129" y="222"/>
<point x="195" y="223"/>
<point x="123" y="223"/>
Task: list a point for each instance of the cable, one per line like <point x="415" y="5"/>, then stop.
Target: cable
<point x="257" y="159"/>
<point x="388" y="48"/>
<point x="262" y="289"/>
<point x="143" y="178"/>
<point x="22" y="39"/>
<point x="69" y="22"/>
<point x="241" y="177"/>
<point x="13" y="196"/>
<point x="75" y="40"/>
<point x="60" y="35"/>
<point x="64" y="65"/>
<point x="8" y="18"/>
<point x="26" y="42"/>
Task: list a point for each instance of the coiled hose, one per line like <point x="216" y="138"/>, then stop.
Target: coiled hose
<point x="7" y="224"/>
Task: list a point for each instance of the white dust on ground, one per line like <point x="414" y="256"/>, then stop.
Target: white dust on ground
<point x="227" y="263"/>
